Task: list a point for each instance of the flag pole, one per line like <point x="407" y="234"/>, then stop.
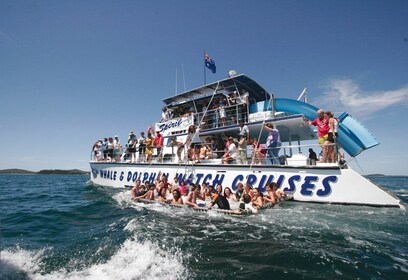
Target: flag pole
<point x="205" y="78"/>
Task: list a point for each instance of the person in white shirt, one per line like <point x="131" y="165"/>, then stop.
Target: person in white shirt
<point x="232" y="152"/>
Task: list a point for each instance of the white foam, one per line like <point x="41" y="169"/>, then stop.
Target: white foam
<point x="134" y="260"/>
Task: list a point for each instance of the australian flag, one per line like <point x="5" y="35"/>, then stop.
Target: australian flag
<point x="209" y="63"/>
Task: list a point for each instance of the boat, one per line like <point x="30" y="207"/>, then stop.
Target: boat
<point x="306" y="181"/>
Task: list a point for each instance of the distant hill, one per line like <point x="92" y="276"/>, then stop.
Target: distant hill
<point x="45" y="171"/>
<point x="16" y="171"/>
<point x="60" y="171"/>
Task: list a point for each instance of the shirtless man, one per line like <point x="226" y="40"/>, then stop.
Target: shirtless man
<point x="192" y="197"/>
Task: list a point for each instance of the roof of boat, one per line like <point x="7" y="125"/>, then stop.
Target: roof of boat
<point x="256" y="92"/>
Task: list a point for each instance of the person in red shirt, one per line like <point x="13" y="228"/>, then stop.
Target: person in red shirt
<point x="158" y="143"/>
<point x="322" y="124"/>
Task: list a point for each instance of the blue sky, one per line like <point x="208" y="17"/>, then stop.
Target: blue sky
<point x="74" y="71"/>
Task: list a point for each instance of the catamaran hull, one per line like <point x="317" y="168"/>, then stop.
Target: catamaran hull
<point x="306" y="184"/>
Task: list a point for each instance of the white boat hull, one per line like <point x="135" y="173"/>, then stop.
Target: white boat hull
<point x="306" y="184"/>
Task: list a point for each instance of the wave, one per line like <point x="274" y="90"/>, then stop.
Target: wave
<point x="134" y="259"/>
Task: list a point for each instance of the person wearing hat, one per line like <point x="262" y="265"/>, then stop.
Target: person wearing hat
<point x="132" y="146"/>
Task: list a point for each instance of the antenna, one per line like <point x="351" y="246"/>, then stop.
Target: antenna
<point x="176" y="83"/>
<point x="303" y="95"/>
<point x="184" y="79"/>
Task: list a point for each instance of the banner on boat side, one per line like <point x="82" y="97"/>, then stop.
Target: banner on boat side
<point x="307" y="185"/>
<point x="174" y="125"/>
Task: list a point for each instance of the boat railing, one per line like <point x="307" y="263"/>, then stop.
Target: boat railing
<point x="282" y="155"/>
<point x="222" y="116"/>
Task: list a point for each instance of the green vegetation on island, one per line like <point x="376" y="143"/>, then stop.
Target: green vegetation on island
<point x="44" y="171"/>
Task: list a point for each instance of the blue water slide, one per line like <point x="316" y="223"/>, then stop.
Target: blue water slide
<point x="353" y="137"/>
<point x="295" y="107"/>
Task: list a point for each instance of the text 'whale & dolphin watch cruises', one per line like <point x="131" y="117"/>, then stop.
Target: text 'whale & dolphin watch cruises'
<point x="216" y="110"/>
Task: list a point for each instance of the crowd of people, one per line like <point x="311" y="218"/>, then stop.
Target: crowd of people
<point x="232" y="150"/>
<point x="204" y="195"/>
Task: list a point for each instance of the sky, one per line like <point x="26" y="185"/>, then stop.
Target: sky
<point x="72" y="72"/>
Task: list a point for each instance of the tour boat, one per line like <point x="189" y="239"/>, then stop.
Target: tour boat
<point x="242" y="98"/>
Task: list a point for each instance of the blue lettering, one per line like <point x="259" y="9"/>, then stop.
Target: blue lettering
<point x="280" y="180"/>
<point x="129" y="176"/>
<point x="122" y="174"/>
<point x="291" y="182"/>
<point x="308" y="186"/>
<point x="114" y="175"/>
<point x="145" y="176"/>
<point x="218" y="179"/>
<point x="190" y="179"/>
<point x="180" y="177"/>
<point x="263" y="182"/>
<point x="199" y="176"/>
<point x="134" y="177"/>
<point x="152" y="176"/>
<point x="237" y="179"/>
<point x="326" y="184"/>
<point x="251" y="179"/>
<point x="207" y="178"/>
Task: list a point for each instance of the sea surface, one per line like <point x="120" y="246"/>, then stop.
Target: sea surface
<point x="61" y="227"/>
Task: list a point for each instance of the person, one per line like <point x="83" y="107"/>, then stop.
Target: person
<point x="158" y="143"/>
<point x="239" y="192"/>
<point x="257" y="199"/>
<point x="96" y="148"/>
<point x="136" y="190"/>
<point x="259" y="153"/>
<point x="323" y="128"/>
<point x="105" y="148"/>
<point x="244" y="138"/>
<point x="193" y="142"/>
<point x="162" y="195"/>
<point x="176" y="197"/>
<point x="205" y="190"/>
<point x="183" y="188"/>
<point x="179" y="146"/>
<point x="270" y="195"/>
<point x="165" y="115"/>
<point x="218" y="199"/>
<point x="273" y="143"/>
<point x="149" y="194"/>
<point x="222" y="113"/>
<point x="279" y="193"/>
<point x="218" y="188"/>
<point x="175" y="184"/>
<point x="110" y="148"/>
<point x="228" y="193"/>
<point x="246" y="204"/>
<point x="132" y="141"/>
<point x="192" y="197"/>
<point x="248" y="190"/>
<point x="232" y="153"/>
<point x="312" y="157"/>
<point x="116" y="141"/>
<point x="149" y="147"/>
<point x="332" y="136"/>
<point x="142" y="147"/>
<point x="203" y="152"/>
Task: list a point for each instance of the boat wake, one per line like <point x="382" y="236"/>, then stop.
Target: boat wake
<point x="134" y="259"/>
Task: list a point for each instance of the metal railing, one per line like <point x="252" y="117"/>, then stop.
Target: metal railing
<point x="260" y="156"/>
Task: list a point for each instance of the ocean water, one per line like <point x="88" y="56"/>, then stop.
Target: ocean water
<point x="60" y="227"/>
